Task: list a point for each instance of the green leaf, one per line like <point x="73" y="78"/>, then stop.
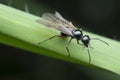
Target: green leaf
<point x="20" y="29"/>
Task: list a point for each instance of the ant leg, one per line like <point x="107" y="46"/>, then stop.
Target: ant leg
<point x="67" y="46"/>
<point x="89" y="55"/>
<point x="49" y="38"/>
<point x="79" y="43"/>
<point x="87" y="50"/>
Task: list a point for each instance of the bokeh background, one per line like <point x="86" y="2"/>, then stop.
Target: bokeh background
<point x="98" y="16"/>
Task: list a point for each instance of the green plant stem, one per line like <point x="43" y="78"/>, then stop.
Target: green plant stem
<point x="20" y="29"/>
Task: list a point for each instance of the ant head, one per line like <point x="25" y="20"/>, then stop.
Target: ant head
<point x="86" y="40"/>
<point x="77" y="33"/>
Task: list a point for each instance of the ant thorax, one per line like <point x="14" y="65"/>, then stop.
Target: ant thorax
<point x="77" y="34"/>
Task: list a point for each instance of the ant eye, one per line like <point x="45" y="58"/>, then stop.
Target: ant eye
<point x="85" y="38"/>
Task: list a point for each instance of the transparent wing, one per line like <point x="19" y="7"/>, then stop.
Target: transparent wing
<point x="57" y="18"/>
<point x="56" y="26"/>
<point x="49" y="16"/>
<point x="58" y="22"/>
<point x="53" y="17"/>
<point x="61" y="18"/>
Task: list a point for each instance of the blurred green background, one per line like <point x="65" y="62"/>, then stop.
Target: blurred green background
<point x="97" y="16"/>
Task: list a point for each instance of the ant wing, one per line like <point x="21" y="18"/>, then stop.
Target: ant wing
<point x="56" y="26"/>
<point x="49" y="17"/>
<point x="57" y="18"/>
<point x="57" y="14"/>
<point x="58" y="22"/>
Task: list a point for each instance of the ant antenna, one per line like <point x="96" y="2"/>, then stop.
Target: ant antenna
<point x="100" y="40"/>
<point x="89" y="54"/>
